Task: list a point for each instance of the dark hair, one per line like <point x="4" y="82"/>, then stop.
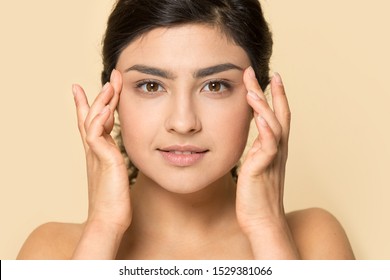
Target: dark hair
<point x="242" y="21"/>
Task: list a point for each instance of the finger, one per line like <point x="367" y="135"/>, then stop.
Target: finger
<point x="82" y="108"/>
<point x="101" y="101"/>
<point x="96" y="136"/>
<point x="259" y="102"/>
<point x="280" y="104"/>
<point x="261" y="108"/>
<point x="252" y="84"/>
<point x="264" y="153"/>
<point x="116" y="83"/>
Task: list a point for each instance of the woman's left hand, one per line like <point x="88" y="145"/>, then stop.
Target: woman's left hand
<point x="259" y="205"/>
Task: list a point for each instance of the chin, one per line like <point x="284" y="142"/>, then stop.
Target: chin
<point x="187" y="182"/>
<point x="184" y="185"/>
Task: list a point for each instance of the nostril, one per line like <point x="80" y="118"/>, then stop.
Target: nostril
<point x="183" y="125"/>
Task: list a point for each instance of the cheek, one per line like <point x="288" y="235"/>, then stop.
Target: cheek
<point x="238" y="126"/>
<point x="136" y="124"/>
<point x="136" y="115"/>
<point x="230" y="125"/>
<point x="127" y="115"/>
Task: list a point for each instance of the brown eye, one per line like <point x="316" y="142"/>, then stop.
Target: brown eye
<point x="214" y="86"/>
<point x="152" y="87"/>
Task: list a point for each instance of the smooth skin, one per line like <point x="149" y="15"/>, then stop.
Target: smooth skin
<point x="212" y="217"/>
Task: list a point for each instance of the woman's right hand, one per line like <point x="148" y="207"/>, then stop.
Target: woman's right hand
<point x="109" y="211"/>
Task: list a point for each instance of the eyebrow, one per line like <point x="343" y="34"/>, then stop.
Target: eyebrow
<point x="204" y="72"/>
<point x="151" y="71"/>
<point x="201" y="73"/>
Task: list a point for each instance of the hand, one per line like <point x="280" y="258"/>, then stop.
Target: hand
<point x="259" y="205"/>
<point x="108" y="183"/>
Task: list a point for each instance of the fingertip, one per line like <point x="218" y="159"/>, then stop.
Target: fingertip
<point x="76" y="95"/>
<point x="113" y="79"/>
<point x="278" y="79"/>
<point x="77" y="90"/>
<point x="105" y="110"/>
<point x="112" y="76"/>
<point x="105" y="87"/>
<point x="115" y="76"/>
<point x="262" y="121"/>
<point x="251" y="73"/>
<point x="116" y="80"/>
<point x="251" y="83"/>
<point x="277" y="86"/>
<point x="74" y="90"/>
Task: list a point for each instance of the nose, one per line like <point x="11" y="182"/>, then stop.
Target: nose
<point x="182" y="115"/>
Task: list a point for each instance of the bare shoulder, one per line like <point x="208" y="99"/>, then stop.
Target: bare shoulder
<point x="51" y="241"/>
<point x="319" y="235"/>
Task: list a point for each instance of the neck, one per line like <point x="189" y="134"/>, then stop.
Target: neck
<point x="158" y="211"/>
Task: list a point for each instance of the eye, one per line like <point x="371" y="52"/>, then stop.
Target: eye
<point x="216" y="86"/>
<point x="150" y="86"/>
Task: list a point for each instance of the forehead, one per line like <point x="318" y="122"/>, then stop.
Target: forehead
<point x="189" y="46"/>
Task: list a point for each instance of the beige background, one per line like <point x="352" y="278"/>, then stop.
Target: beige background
<point x="333" y="56"/>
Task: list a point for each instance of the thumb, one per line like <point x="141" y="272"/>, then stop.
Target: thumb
<point x="116" y="84"/>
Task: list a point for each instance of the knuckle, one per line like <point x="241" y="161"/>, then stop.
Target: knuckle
<point x="84" y="126"/>
<point x="287" y="115"/>
<point x="90" y="140"/>
<point x="86" y="123"/>
<point x="80" y="125"/>
<point x="271" y="151"/>
<point x="278" y="131"/>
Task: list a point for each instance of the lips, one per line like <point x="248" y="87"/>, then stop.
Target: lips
<point x="182" y="156"/>
<point x="183" y="153"/>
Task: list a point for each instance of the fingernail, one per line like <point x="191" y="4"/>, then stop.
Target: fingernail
<point x="263" y="122"/>
<point x="105" y="110"/>
<point x="113" y="75"/>
<point x="105" y="87"/>
<point x="278" y="79"/>
<point x="74" y="90"/>
<point x="253" y="95"/>
<point x="251" y="72"/>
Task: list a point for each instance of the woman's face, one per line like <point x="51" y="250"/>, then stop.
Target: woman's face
<point x="183" y="110"/>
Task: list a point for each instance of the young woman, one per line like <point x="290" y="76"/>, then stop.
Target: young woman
<point x="186" y="78"/>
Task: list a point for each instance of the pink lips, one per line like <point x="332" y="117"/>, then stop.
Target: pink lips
<point x="182" y="156"/>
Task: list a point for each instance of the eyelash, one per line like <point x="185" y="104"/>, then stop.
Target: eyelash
<point x="144" y="83"/>
<point x="223" y="84"/>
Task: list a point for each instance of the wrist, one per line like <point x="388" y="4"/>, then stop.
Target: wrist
<point x="272" y="240"/>
<point x="98" y="241"/>
<point x="105" y="228"/>
<point x="265" y="223"/>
